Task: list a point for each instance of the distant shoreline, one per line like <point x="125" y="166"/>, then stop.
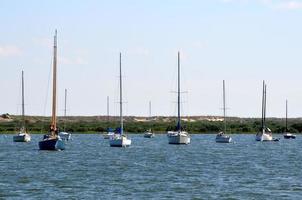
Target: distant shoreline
<point x="159" y="124"/>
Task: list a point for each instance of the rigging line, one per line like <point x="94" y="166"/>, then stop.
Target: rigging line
<point x="47" y="91"/>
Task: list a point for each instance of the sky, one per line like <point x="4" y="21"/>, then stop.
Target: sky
<point x="240" y="41"/>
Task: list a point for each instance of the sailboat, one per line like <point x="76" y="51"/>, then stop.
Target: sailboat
<point x="109" y="132"/>
<point x="287" y="135"/>
<point x="265" y="134"/>
<point x="22" y="136"/>
<point x="149" y="133"/>
<point x="65" y="135"/>
<point x="179" y="136"/>
<point x="119" y="139"/>
<point x="221" y="137"/>
<point x="52" y="140"/>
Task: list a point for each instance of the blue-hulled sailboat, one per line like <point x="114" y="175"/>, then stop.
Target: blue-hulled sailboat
<point x="52" y="140"/>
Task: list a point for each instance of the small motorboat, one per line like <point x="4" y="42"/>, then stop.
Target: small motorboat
<point x="65" y="136"/>
<point x="149" y="134"/>
<point x="22" y="137"/>
<point x="108" y="134"/>
<point x="222" y="138"/>
<point x="289" y="136"/>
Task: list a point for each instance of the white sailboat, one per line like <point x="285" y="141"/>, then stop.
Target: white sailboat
<point x="287" y="134"/>
<point x="221" y="137"/>
<point x="149" y="133"/>
<point x="109" y="132"/>
<point x="119" y="139"/>
<point x="65" y="135"/>
<point x="23" y="135"/>
<point x="179" y="136"/>
<point x="265" y="134"/>
<point x="52" y="141"/>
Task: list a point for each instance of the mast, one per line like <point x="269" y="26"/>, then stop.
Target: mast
<point x="286" y="125"/>
<point x="65" y="103"/>
<point x="54" y="88"/>
<point x="264" y="113"/>
<point x="121" y="96"/>
<point x="107" y="109"/>
<point x="150" y="109"/>
<point x="224" y="108"/>
<point x="65" y="108"/>
<point x="23" y="107"/>
<point x="262" y="117"/>
<point x="178" y="95"/>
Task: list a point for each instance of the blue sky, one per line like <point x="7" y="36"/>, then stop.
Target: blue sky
<point x="241" y="41"/>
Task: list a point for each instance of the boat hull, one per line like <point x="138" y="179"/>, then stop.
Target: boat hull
<point x="148" y="135"/>
<point x="119" y="141"/>
<point x="22" y="138"/>
<point x="223" y="139"/>
<point x="52" y="144"/>
<point x="65" y="136"/>
<point x="178" y="138"/>
<point x="108" y="135"/>
<point x="264" y="137"/>
<point x="289" y="136"/>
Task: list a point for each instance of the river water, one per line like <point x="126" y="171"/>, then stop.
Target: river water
<point x="152" y="169"/>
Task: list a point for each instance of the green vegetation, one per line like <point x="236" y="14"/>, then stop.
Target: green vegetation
<point x="37" y="124"/>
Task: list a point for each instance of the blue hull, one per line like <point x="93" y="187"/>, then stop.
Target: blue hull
<point x="51" y="144"/>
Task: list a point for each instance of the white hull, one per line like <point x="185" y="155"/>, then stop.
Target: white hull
<point x="178" y="138"/>
<point x="22" y="137"/>
<point x="221" y="138"/>
<point x="60" y="145"/>
<point x="119" y="141"/>
<point x="149" y="135"/>
<point x="262" y="137"/>
<point x="289" y="136"/>
<point x="108" y="135"/>
<point x="65" y="136"/>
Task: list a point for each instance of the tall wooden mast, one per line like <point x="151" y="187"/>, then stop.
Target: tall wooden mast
<point x="54" y="88"/>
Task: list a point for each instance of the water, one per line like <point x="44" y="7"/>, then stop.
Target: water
<point x="152" y="169"/>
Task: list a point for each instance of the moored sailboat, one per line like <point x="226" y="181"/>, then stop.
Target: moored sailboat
<point x="287" y="134"/>
<point x="65" y="135"/>
<point x="149" y="133"/>
<point x="23" y="135"/>
<point x="52" y="140"/>
<point x="119" y="139"/>
<point x="221" y="137"/>
<point x="265" y="134"/>
<point x="179" y="136"/>
<point x="109" y="132"/>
